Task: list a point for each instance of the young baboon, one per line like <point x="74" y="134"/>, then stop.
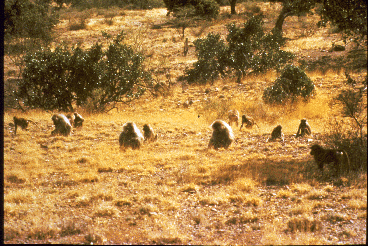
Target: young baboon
<point x="276" y="133"/>
<point x="222" y="135"/>
<point x="75" y="119"/>
<point x="62" y="125"/>
<point x="23" y="123"/>
<point x="248" y="121"/>
<point x="233" y="117"/>
<point x="325" y="156"/>
<point x="304" y="128"/>
<point x="131" y="136"/>
<point x="149" y="134"/>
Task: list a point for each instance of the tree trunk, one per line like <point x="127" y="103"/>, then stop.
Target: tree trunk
<point x="280" y="20"/>
<point x="232" y="5"/>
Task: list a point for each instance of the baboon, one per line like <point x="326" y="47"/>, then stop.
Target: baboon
<point x="131" y="136"/>
<point x="222" y="135"/>
<point x="276" y="133"/>
<point x="23" y="123"/>
<point x="304" y="128"/>
<point x="62" y="125"/>
<point x="75" y="119"/>
<point x="149" y="134"/>
<point x="248" y="121"/>
<point x="233" y="116"/>
<point x="326" y="156"/>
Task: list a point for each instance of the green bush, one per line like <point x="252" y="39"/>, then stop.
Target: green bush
<point x="61" y="78"/>
<point x="292" y="84"/>
<point x="204" y="8"/>
<point x="211" y="53"/>
<point x="31" y="19"/>
<point x="248" y="50"/>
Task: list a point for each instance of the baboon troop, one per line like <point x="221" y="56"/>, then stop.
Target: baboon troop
<point x="248" y="121"/>
<point x="325" y="156"/>
<point x="276" y="133"/>
<point x="149" y="134"/>
<point x="131" y="136"/>
<point x="62" y="125"/>
<point x="222" y="135"/>
<point x="304" y="128"/>
<point x="233" y="117"/>
<point x="75" y="119"/>
<point x="23" y="123"/>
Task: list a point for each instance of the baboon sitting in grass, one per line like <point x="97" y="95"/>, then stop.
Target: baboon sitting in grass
<point x="326" y="156"/>
<point x="276" y="133"/>
<point x="23" y="123"/>
<point x="62" y="125"/>
<point x="248" y="121"/>
<point x="75" y="119"/>
<point x="130" y="136"/>
<point x="233" y="117"/>
<point x="149" y="134"/>
<point x="222" y="135"/>
<point x="304" y="128"/>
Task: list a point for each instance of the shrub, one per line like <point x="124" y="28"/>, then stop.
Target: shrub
<point x="248" y="50"/>
<point x="58" y="79"/>
<point x="204" y="8"/>
<point x="292" y="84"/>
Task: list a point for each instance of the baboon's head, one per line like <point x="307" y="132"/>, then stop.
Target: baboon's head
<point x="128" y="127"/>
<point x="316" y="149"/>
<point x="217" y="126"/>
<point x="146" y="128"/>
<point x="303" y="122"/>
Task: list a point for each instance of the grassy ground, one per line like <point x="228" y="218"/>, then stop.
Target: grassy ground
<point x="85" y="189"/>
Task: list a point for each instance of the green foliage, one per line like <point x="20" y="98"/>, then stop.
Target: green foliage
<point x="204" y="8"/>
<point x="248" y="50"/>
<point x="349" y="16"/>
<point x="33" y="19"/>
<point x="58" y="79"/>
<point x="134" y="4"/>
<point x="211" y="53"/>
<point x="292" y="84"/>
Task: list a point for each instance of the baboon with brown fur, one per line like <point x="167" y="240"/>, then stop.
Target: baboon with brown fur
<point x="304" y="128"/>
<point x="233" y="117"/>
<point x="326" y="156"/>
<point x="248" y="121"/>
<point x="23" y="123"/>
<point x="277" y="133"/>
<point x="149" y="134"/>
<point x="131" y="136"/>
<point x="222" y="135"/>
<point x="76" y="120"/>
<point x="62" y="125"/>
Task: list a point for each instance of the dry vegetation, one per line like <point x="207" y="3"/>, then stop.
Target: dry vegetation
<point x="84" y="189"/>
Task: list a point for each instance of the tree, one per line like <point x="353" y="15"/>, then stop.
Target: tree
<point x="58" y="79"/>
<point x="204" y="8"/>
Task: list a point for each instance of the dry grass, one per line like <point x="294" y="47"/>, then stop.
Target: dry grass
<point x="84" y="189"/>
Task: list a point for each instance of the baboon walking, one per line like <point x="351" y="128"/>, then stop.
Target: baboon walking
<point x="23" y="123"/>
<point x="131" y="136"/>
<point x="233" y="117"/>
<point x="149" y="134"/>
<point x="276" y="133"/>
<point x="62" y="125"/>
<point x="222" y="135"/>
<point x="304" y="128"/>
<point x="248" y="121"/>
<point x="326" y="156"/>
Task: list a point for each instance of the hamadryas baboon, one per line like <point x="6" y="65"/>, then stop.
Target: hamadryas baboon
<point x="23" y="123"/>
<point x="149" y="134"/>
<point x="62" y="125"/>
<point x="233" y="117"/>
<point x="130" y="136"/>
<point x="222" y="135"/>
<point x="75" y="119"/>
<point x="277" y="133"/>
<point x="248" y="122"/>
<point x="326" y="156"/>
<point x="304" y="128"/>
